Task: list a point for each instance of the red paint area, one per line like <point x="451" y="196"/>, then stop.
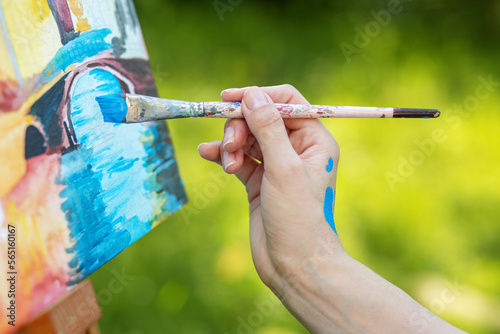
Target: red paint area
<point x="11" y="96"/>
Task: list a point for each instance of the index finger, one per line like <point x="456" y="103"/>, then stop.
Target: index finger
<point x="279" y="94"/>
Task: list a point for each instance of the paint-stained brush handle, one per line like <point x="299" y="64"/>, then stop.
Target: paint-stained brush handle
<point x="130" y="108"/>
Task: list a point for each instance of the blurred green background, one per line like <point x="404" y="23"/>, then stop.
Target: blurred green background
<point x="417" y="200"/>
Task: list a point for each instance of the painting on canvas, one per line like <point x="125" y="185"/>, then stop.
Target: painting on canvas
<point x="74" y="191"/>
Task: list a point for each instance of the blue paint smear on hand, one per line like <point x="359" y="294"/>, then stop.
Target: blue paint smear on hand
<point x="329" y="167"/>
<point x="115" y="182"/>
<point x="329" y="199"/>
<point x="328" y="207"/>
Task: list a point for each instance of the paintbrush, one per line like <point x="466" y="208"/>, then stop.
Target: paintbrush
<point x="131" y="108"/>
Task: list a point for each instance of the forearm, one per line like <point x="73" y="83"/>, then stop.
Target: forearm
<point x="344" y="296"/>
<point x="294" y="249"/>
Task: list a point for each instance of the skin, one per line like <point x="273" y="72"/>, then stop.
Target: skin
<point x="282" y="163"/>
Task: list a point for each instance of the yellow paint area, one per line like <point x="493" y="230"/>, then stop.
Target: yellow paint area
<point x="12" y="141"/>
<point x="33" y="33"/>
<point x="12" y="133"/>
<point x="37" y="9"/>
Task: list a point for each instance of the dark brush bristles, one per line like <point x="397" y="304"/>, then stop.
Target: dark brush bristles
<point x="415" y="113"/>
<point x="113" y="107"/>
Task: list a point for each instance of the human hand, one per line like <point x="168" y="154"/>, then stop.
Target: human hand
<point x="291" y="193"/>
<point x="295" y="251"/>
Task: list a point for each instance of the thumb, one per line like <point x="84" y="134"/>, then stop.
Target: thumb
<point x="266" y="124"/>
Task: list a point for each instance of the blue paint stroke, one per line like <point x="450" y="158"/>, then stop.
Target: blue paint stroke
<point x="113" y="107"/>
<point x="87" y="45"/>
<point x="329" y="167"/>
<point x="163" y="172"/>
<point x="328" y="207"/>
<point x="114" y="186"/>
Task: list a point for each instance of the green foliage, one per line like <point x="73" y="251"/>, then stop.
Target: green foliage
<point x="417" y="200"/>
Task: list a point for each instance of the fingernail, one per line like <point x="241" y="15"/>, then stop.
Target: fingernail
<point x="228" y="137"/>
<point x="229" y="90"/>
<point x="228" y="159"/>
<point x="255" y="98"/>
<point x="198" y="148"/>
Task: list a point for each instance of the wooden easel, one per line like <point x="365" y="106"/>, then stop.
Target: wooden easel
<point x="76" y="312"/>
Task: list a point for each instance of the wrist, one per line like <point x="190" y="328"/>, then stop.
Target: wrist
<point x="312" y="262"/>
<point x="317" y="292"/>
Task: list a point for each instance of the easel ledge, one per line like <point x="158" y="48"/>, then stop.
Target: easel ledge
<point x="76" y="312"/>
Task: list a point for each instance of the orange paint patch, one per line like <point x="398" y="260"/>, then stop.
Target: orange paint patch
<point x="76" y="8"/>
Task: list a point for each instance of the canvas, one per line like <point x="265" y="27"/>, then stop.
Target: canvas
<point x="76" y="190"/>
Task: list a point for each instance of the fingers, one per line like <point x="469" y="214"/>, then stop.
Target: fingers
<point x="236" y="132"/>
<point x="279" y="94"/>
<point x="266" y="124"/>
<point x="212" y="151"/>
<point x="231" y="161"/>
<point x="237" y="136"/>
<point x="263" y="134"/>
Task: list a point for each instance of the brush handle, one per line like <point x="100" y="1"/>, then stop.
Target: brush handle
<point x="145" y="108"/>
<point x="233" y="110"/>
